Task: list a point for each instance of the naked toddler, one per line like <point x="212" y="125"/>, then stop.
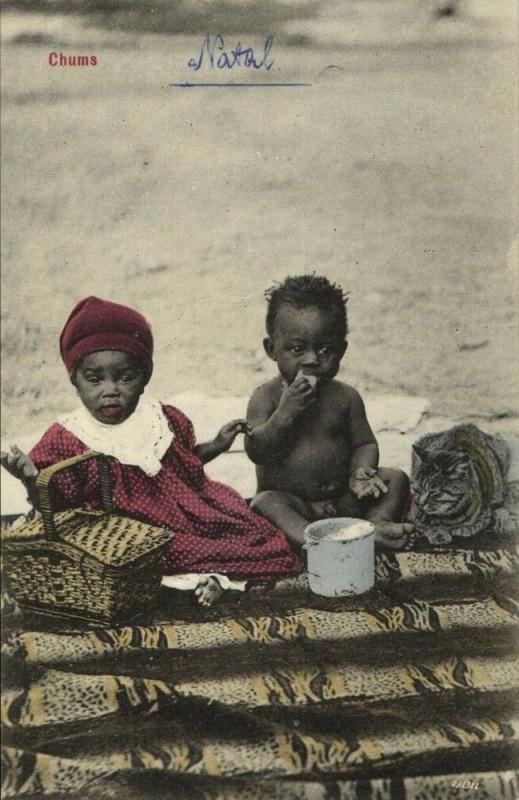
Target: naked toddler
<point x="315" y="453"/>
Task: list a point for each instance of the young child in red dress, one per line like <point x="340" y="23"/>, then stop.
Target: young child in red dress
<point x="156" y="466"/>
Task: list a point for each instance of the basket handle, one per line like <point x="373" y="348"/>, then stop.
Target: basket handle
<point x="45" y="476"/>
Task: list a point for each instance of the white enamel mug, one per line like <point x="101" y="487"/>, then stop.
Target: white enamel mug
<point x="341" y="556"/>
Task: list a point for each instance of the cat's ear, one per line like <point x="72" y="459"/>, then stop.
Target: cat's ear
<point x="419" y="452"/>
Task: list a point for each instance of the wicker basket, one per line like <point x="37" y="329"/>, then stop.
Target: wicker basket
<point x="91" y="565"/>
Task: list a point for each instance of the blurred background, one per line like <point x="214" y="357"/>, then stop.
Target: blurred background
<point x="393" y="174"/>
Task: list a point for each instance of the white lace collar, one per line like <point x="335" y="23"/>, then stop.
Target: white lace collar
<point x="141" y="440"/>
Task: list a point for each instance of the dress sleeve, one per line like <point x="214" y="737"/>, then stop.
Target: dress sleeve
<point x="181" y="426"/>
<point x="68" y="487"/>
<point x="55" y="445"/>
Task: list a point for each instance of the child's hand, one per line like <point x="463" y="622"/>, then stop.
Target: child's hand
<point x="298" y="396"/>
<point x="18" y="464"/>
<point x="229" y="432"/>
<point x="365" y="482"/>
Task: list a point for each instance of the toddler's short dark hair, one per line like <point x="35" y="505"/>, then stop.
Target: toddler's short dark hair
<point x="302" y="291"/>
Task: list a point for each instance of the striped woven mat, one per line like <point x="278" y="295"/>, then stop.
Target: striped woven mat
<point x="408" y="692"/>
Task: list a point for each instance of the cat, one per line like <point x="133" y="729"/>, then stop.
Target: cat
<point x="459" y="484"/>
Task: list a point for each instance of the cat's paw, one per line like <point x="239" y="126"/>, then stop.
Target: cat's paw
<point x="437" y="536"/>
<point x="504" y="522"/>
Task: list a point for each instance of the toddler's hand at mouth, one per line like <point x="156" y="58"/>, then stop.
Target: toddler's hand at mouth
<point x="311" y="379"/>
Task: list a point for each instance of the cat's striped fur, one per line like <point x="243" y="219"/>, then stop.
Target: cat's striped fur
<point x="459" y="481"/>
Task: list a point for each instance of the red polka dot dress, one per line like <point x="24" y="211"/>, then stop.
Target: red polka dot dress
<point x="215" y="530"/>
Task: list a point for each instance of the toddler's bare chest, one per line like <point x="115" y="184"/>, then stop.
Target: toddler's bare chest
<point x="322" y="430"/>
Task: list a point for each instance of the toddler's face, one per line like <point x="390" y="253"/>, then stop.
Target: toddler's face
<point x="305" y="339"/>
<point x="109" y="384"/>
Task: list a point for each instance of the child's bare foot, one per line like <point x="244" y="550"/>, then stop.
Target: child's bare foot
<point x="392" y="534"/>
<point x="208" y="590"/>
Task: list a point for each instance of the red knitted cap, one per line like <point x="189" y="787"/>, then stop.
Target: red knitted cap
<point x="97" y="324"/>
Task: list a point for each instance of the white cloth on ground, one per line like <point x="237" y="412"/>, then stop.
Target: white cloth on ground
<point x="191" y="580"/>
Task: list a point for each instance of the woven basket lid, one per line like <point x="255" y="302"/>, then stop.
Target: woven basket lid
<point x="110" y="538"/>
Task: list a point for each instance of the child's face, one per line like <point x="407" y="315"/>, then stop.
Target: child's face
<point x="305" y="339"/>
<point x="109" y="384"/>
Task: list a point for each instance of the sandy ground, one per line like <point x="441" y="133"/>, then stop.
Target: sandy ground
<point x="393" y="174"/>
